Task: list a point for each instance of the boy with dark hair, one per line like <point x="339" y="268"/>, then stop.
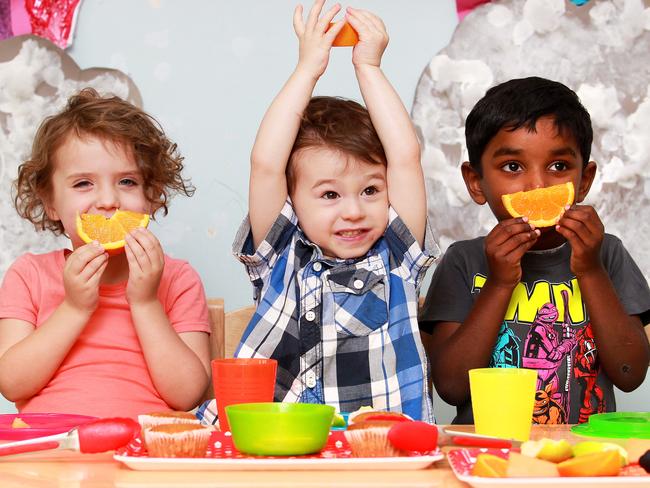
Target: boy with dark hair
<point x="567" y="300"/>
<point x="336" y="243"/>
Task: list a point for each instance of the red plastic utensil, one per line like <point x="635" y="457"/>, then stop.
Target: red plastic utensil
<point x="96" y="436"/>
<point x="414" y="436"/>
<point x="461" y="438"/>
<point x="493" y="443"/>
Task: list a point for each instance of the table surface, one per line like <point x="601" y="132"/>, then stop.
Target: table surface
<point x="73" y="470"/>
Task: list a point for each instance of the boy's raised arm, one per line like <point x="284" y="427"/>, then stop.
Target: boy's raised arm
<point x="279" y="127"/>
<point x="406" y="192"/>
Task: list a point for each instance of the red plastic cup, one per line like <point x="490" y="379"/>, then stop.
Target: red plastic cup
<point x="242" y="380"/>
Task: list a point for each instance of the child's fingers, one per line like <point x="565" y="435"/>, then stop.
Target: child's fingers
<point x="518" y="244"/>
<point x="298" y="22"/>
<point x="366" y="17"/>
<point x="331" y="34"/>
<point x="518" y="251"/>
<point x="314" y="14"/>
<point x="134" y="266"/>
<point x="139" y="255"/>
<point x="90" y="269"/>
<point x="97" y="275"/>
<point x="574" y="233"/>
<point x="357" y="23"/>
<point x="78" y="260"/>
<point x="507" y="229"/>
<point x="586" y="215"/>
<point x="150" y="245"/>
<point x="327" y="17"/>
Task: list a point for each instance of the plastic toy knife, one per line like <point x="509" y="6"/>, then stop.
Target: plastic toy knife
<point x="92" y="437"/>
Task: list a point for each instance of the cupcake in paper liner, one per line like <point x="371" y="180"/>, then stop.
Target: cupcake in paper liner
<point x="159" y="418"/>
<point x="177" y="440"/>
<point x="370" y="439"/>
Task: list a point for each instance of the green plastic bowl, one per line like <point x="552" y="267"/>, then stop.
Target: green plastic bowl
<point x="615" y="425"/>
<point x="279" y="429"/>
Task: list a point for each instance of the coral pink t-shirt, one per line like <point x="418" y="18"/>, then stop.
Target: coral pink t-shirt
<point x="105" y="373"/>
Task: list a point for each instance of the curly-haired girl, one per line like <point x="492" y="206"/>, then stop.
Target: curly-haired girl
<point x="88" y="333"/>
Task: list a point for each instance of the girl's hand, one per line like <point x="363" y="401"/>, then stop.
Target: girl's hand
<point x="314" y="39"/>
<point x="584" y="230"/>
<point x="373" y="37"/>
<point x="81" y="274"/>
<point x="505" y="245"/>
<point x="146" y="263"/>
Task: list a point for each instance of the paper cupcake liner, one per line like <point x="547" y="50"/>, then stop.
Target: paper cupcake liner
<point x="182" y="443"/>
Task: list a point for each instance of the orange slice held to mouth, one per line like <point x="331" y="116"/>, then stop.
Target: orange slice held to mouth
<point x="542" y="206"/>
<point x="346" y="37"/>
<point x="109" y="231"/>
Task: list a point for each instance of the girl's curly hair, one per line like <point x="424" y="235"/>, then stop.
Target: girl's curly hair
<point x="110" y="119"/>
<point x="338" y="124"/>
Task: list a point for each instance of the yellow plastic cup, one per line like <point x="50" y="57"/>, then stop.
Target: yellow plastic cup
<point x="503" y="401"/>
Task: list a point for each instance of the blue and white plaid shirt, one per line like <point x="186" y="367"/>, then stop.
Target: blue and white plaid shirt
<point x="344" y="332"/>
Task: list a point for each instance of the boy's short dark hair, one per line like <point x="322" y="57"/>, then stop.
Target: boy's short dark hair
<point x="520" y="103"/>
<point x="109" y="119"/>
<point x="340" y="125"/>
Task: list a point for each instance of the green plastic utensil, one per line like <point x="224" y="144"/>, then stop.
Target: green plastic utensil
<point x="616" y="425"/>
<point x="279" y="429"/>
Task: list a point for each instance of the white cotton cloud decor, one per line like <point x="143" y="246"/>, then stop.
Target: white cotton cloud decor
<point x="36" y="79"/>
<point x="601" y="50"/>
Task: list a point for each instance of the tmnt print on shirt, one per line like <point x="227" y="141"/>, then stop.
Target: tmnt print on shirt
<point x="561" y="349"/>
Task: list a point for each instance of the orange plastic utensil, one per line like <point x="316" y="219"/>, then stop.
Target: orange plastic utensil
<point x="346" y="37"/>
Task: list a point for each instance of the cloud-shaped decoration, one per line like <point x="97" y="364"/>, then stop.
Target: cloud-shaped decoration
<point x="600" y="50"/>
<point x="36" y="79"/>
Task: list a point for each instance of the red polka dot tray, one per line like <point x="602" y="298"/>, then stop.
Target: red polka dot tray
<point x="222" y="455"/>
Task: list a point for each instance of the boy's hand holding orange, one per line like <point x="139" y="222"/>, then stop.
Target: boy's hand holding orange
<point x="373" y="38"/>
<point x="315" y="36"/>
<point x="505" y="245"/>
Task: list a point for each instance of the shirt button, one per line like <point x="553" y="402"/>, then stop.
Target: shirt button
<point x="310" y="315"/>
<point x="317" y="267"/>
<point x="311" y="379"/>
<point x="358" y="284"/>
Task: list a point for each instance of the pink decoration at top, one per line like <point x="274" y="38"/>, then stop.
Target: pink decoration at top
<point x="50" y="19"/>
<point x="466" y="6"/>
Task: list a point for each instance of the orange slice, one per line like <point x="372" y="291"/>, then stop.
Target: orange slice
<point x="109" y="231"/>
<point x="489" y="466"/>
<point x="346" y="37"/>
<point x="604" y="463"/>
<point x="542" y="206"/>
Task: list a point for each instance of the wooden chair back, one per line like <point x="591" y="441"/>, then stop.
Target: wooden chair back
<point x="226" y="329"/>
<point x="235" y="323"/>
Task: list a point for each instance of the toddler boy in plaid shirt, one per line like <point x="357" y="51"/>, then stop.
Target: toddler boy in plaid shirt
<point x="336" y="242"/>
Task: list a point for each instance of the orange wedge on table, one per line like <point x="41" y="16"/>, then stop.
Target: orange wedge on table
<point x="489" y="466"/>
<point x="604" y="463"/>
<point x="542" y="206"/>
<point x="109" y="231"/>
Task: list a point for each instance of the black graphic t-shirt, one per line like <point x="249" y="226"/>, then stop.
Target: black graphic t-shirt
<point x="546" y="326"/>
